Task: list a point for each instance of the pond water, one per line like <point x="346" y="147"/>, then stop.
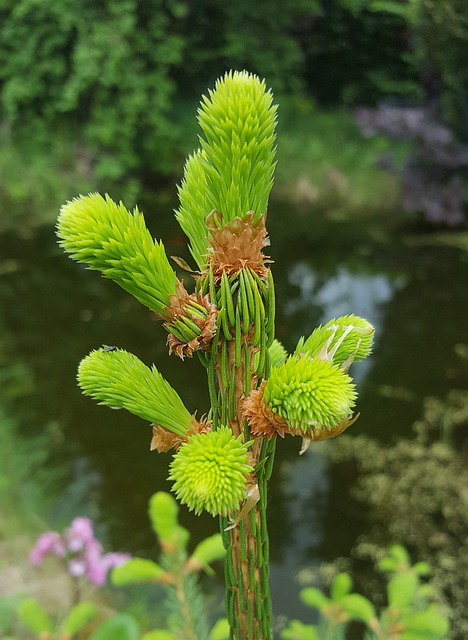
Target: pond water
<point x="53" y="312"/>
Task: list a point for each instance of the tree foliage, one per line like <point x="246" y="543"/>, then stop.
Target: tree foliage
<point x="416" y="493"/>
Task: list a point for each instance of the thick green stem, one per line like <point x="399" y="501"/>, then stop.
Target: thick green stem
<point x="248" y="601"/>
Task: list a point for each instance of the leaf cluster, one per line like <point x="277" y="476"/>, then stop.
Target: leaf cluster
<point x="415" y="490"/>
<point x="408" y="615"/>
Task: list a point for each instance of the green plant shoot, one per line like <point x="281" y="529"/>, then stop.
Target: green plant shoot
<point x="222" y="462"/>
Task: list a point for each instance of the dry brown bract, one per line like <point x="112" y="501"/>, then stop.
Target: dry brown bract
<point x="177" y="307"/>
<point x="262" y="421"/>
<point x="238" y="245"/>
<point x="163" y="440"/>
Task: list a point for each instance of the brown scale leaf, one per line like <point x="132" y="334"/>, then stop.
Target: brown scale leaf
<point x="177" y="307"/>
<point x="238" y="245"/>
<point x="262" y="421"/>
<point x="164" y="440"/>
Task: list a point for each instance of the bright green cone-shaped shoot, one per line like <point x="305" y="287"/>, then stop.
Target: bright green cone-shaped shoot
<point x="105" y="236"/>
<point x="209" y="472"/>
<point x="233" y="171"/>
<point x="118" y="379"/>
<point x="309" y="393"/>
<point x="348" y="337"/>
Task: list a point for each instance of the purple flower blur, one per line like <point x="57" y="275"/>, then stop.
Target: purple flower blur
<point x="80" y="549"/>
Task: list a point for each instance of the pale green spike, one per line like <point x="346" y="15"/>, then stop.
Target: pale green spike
<point x="210" y="472"/>
<point x="308" y="393"/>
<point x="195" y="205"/>
<point x="118" y="379"/>
<point x="105" y="236"/>
<point x="238" y="120"/>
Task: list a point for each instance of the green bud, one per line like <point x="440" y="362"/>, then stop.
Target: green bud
<point x="309" y="393"/>
<point x="209" y="472"/>
<point x="108" y="238"/>
<point x="118" y="379"/>
<point x="348" y="337"/>
<point x="238" y="120"/>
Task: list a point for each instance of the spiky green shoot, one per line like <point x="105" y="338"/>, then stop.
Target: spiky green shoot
<point x="238" y="120"/>
<point x="309" y="393"/>
<point x="105" y="236"/>
<point x="210" y="471"/>
<point x="346" y="338"/>
<point x="195" y="205"/>
<point x="118" y="379"/>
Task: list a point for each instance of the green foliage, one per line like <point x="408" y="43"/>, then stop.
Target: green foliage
<point x="177" y="572"/>
<point x="105" y="236"/>
<point x="78" y="617"/>
<point x="69" y="74"/>
<point x="34" y="616"/>
<point x="163" y="513"/>
<point x="120" y="627"/>
<point x="416" y="491"/>
<point x="119" y="379"/>
<point x="441" y="28"/>
<point x="408" y="616"/>
<point x="137" y="570"/>
<point x="362" y="52"/>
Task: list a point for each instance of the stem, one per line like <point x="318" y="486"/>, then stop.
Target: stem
<point x="248" y="601"/>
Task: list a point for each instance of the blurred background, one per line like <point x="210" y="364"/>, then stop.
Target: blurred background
<point x="368" y="216"/>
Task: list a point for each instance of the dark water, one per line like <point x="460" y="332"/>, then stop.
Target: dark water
<point x="53" y="312"/>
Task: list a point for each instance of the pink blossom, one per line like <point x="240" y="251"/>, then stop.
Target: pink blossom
<point x="77" y="567"/>
<point x="48" y="543"/>
<point x="79" y="534"/>
<point x="84" y="554"/>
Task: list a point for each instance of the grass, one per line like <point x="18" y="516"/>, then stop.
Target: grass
<point x="324" y="161"/>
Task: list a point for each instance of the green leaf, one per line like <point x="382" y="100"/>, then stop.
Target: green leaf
<point x="120" y="627"/>
<point x="221" y="630"/>
<point x="313" y="597"/>
<point x="358" y="607"/>
<point x="163" y="513"/>
<point x="402" y="590"/>
<point x="207" y="551"/>
<point x="159" y="634"/>
<point x="400" y="554"/>
<point x="342" y="585"/>
<point x="425" y="625"/>
<point x="8" y="607"/>
<point x="136" y="570"/>
<point x="80" y="615"/>
<point x="422" y="569"/>
<point x="33" y="616"/>
<point x="298" y="631"/>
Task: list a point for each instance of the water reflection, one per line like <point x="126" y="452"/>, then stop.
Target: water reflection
<point x="53" y="312"/>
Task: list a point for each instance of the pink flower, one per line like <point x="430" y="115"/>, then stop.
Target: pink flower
<point x="83" y="552"/>
<point x="79" y="534"/>
<point x="48" y="543"/>
<point x="77" y="567"/>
